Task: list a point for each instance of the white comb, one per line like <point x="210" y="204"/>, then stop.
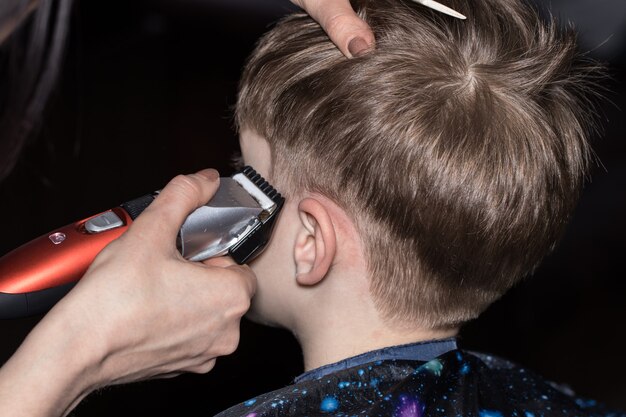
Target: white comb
<point x="440" y="8"/>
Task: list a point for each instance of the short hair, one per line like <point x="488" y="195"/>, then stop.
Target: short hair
<point x="459" y="148"/>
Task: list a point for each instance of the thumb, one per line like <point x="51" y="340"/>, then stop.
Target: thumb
<point x="162" y="219"/>
<point x="347" y="30"/>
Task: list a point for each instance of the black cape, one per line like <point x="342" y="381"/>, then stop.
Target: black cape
<point x="457" y="383"/>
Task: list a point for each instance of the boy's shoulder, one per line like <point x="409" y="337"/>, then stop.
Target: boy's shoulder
<point x="457" y="383"/>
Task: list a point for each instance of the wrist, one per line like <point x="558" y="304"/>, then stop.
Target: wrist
<point x="75" y="357"/>
<point x="51" y="372"/>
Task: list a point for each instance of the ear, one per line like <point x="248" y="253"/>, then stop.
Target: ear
<point x="316" y="242"/>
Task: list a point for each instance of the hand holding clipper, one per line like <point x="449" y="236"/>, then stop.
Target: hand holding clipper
<point x="238" y="221"/>
<point x="140" y="311"/>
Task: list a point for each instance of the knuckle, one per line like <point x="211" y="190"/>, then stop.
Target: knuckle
<point x="242" y="307"/>
<point x="204" y="368"/>
<point x="186" y="184"/>
<point x="336" y="22"/>
<point x="238" y="307"/>
<point x="231" y="343"/>
<point x="346" y="24"/>
<point x="240" y="302"/>
<point x="189" y="188"/>
<point x="245" y="278"/>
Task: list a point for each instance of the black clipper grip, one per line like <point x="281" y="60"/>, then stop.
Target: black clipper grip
<point x="135" y="207"/>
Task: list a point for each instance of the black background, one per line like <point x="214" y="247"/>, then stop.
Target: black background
<point x="147" y="92"/>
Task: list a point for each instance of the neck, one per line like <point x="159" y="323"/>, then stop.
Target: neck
<point x="329" y="339"/>
<point x="337" y="318"/>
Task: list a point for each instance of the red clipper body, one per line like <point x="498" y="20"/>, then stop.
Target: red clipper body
<point x="50" y="265"/>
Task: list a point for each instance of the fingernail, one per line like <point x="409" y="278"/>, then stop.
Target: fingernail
<point x="358" y="46"/>
<point x="210" y="174"/>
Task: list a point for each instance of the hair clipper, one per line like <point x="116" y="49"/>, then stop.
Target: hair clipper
<point x="238" y="221"/>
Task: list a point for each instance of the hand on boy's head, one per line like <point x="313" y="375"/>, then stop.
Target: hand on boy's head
<point x="347" y="30"/>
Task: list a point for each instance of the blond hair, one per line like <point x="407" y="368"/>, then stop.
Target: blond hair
<point x="458" y="147"/>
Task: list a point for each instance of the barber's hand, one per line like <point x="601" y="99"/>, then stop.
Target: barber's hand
<point x="141" y="311"/>
<point x="349" y="32"/>
<point x="157" y="313"/>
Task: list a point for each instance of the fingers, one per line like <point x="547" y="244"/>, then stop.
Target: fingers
<point x="239" y="272"/>
<point x="348" y="31"/>
<point x="161" y="221"/>
<point x="221" y="262"/>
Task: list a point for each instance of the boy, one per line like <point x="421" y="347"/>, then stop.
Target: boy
<point x="423" y="180"/>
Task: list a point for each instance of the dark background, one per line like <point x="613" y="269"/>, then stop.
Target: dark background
<point x="147" y="92"/>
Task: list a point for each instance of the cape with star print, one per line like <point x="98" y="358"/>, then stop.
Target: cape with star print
<point x="458" y="383"/>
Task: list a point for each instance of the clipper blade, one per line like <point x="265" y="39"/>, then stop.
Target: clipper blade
<point x="237" y="221"/>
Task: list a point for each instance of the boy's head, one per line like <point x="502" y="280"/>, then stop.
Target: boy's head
<point x="456" y="148"/>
